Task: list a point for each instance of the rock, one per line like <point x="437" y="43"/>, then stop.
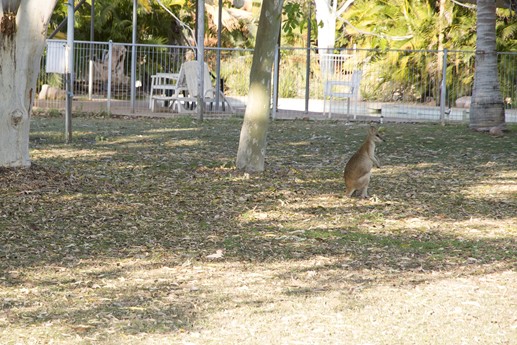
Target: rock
<point x="51" y="93"/>
<point x="245" y="5"/>
<point x="43" y="93"/>
<point x="463" y="102"/>
<point x="496" y="131"/>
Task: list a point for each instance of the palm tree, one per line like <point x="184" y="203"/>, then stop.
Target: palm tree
<point x="405" y="26"/>
<point x="487" y="107"/>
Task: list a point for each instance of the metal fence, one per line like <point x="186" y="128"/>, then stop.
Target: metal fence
<point x="395" y="84"/>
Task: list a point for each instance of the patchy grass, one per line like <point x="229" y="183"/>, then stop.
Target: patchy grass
<point x="142" y="232"/>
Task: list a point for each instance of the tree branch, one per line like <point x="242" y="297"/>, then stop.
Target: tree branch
<point x="463" y="4"/>
<point x="392" y="38"/>
<point x="343" y="8"/>
<point x="180" y="23"/>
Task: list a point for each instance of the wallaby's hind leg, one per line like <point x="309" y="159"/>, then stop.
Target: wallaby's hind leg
<point x="363" y="183"/>
<point x="363" y="192"/>
<point x="349" y="192"/>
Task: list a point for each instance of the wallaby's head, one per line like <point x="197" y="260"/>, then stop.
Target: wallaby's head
<point x="373" y="134"/>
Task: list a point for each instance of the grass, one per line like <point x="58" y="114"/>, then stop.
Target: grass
<point x="111" y="239"/>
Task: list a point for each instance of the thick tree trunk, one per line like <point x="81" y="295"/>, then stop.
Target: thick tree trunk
<point x="23" y="27"/>
<point x="486" y="108"/>
<point x="252" y="144"/>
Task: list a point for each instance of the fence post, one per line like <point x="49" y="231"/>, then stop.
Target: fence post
<point x="133" y="57"/>
<point x="110" y="59"/>
<point x="200" y="59"/>
<point x="308" y="61"/>
<point x="443" y="87"/>
<point x="90" y="62"/>
<point x="90" y="73"/>
<point x="275" y="82"/>
<point x="218" y="55"/>
<point x="69" y="72"/>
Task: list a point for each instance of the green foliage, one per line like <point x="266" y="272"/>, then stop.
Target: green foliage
<point x="113" y="21"/>
<point x="378" y="24"/>
<point x="292" y="83"/>
<point x="419" y="25"/>
<point x="295" y="23"/>
<point x="402" y="24"/>
<point x="56" y="80"/>
<point x="506" y="30"/>
<point x="236" y="75"/>
<point x="292" y="12"/>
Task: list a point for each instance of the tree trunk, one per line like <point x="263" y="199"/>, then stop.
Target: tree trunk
<point x="252" y="145"/>
<point x="23" y="27"/>
<point x="326" y="17"/>
<point x="486" y="108"/>
<point x="327" y="13"/>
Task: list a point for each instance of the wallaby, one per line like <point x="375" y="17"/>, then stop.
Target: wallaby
<point x="358" y="169"/>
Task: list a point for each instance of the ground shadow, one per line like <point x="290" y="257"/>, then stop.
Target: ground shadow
<point x="166" y="191"/>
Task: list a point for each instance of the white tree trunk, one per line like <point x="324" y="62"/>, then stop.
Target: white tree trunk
<point x="486" y="107"/>
<point x="23" y="27"/>
<point x="327" y="13"/>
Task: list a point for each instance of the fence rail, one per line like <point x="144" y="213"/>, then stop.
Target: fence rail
<point x="417" y="85"/>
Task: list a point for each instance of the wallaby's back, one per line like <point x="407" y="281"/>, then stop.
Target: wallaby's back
<point x="358" y="169"/>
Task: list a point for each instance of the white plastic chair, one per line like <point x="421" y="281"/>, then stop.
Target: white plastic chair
<point x="190" y="69"/>
<point x="163" y="88"/>
<point x="342" y="89"/>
